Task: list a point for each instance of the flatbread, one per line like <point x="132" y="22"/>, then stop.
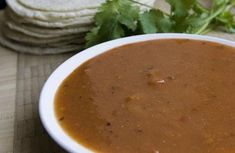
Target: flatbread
<point x="21" y="42"/>
<point x="23" y="11"/>
<point x="60" y="5"/>
<point x="67" y="5"/>
<point x="69" y="20"/>
<point x="32" y="49"/>
<point x="23" y="48"/>
<point x="39" y="32"/>
<point x="45" y="15"/>
<point x="58" y="41"/>
<point x="83" y="21"/>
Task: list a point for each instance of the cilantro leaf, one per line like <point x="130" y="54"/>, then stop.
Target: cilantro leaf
<point x="111" y="19"/>
<point x="180" y="8"/>
<point x="129" y="15"/>
<point x="121" y="18"/>
<point x="91" y="37"/>
<point x="155" y="21"/>
<point x="195" y="22"/>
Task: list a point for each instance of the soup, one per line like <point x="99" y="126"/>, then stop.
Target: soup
<point x="162" y="96"/>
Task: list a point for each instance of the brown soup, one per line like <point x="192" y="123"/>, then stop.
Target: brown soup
<point x="164" y="96"/>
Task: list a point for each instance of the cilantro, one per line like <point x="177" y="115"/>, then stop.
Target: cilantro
<point x="181" y="8"/>
<point x="226" y="18"/>
<point x="120" y="18"/>
<point x="111" y="19"/>
<point x="155" y="21"/>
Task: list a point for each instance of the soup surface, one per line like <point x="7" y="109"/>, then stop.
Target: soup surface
<point x="164" y="96"/>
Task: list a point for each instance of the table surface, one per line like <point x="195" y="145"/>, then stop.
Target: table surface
<point x="21" y="79"/>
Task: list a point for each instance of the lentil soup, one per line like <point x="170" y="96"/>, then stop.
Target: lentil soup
<point x="162" y="96"/>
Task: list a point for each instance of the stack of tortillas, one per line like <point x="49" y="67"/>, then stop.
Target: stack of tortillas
<point x="48" y="26"/>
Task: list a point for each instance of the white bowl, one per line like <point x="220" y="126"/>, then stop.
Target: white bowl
<point x="46" y="104"/>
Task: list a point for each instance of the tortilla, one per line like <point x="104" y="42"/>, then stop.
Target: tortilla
<point x="67" y="5"/>
<point x="20" y="37"/>
<point x="32" y="49"/>
<point x="23" y="11"/>
<point x="45" y="15"/>
<point x="69" y="20"/>
<point x="46" y="27"/>
<point x="60" y="5"/>
<point x="81" y="21"/>
<point x="39" y="32"/>
<point x="59" y="24"/>
<point x="21" y="47"/>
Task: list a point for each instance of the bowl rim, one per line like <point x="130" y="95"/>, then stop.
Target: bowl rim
<point x="46" y="101"/>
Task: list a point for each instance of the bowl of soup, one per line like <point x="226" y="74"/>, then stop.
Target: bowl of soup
<point x="157" y="93"/>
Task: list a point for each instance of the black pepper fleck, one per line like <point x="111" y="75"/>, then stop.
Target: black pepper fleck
<point x="139" y="131"/>
<point x="61" y="119"/>
<point x="203" y="43"/>
<point x="108" y="124"/>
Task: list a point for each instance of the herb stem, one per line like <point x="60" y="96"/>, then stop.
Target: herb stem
<point x="207" y="30"/>
<point x="200" y="31"/>
<point x="201" y="8"/>
<point x="211" y="17"/>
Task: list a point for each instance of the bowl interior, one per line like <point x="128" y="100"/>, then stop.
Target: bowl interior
<point x="46" y="103"/>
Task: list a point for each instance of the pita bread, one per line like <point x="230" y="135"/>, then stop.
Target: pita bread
<point x="60" y="5"/>
<point x="45" y="15"/>
<point x="39" y="32"/>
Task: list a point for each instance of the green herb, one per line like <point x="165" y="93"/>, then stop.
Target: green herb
<point x="120" y="18"/>
<point x="155" y="21"/>
<point x="113" y="20"/>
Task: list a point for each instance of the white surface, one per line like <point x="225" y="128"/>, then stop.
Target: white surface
<point x="46" y="105"/>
